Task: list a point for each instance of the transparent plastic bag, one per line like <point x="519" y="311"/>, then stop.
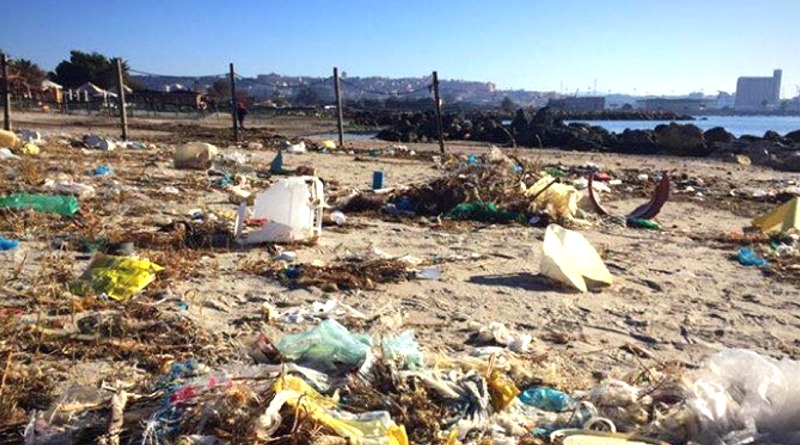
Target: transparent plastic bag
<point x="327" y="347"/>
<point x="403" y="347"/>
<point x="742" y="396"/>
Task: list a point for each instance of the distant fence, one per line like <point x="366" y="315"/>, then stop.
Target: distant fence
<point x="192" y="104"/>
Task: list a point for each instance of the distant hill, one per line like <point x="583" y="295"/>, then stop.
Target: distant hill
<point x="272" y="86"/>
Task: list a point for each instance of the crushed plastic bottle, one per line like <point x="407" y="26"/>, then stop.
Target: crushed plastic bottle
<point x="548" y="399"/>
<point x="62" y="205"/>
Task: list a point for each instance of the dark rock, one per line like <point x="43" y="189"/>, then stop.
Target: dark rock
<point x="685" y="140"/>
<point x="790" y="163"/>
<point x="545" y="116"/>
<point x="637" y="141"/>
<point x="717" y="135"/>
<point x="793" y="136"/>
<point x="772" y="136"/>
<point x="749" y="138"/>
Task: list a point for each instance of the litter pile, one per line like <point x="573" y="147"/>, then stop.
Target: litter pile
<point x="329" y="385"/>
<point x="497" y="188"/>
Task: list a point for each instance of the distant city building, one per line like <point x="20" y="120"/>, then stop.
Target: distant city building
<point x="758" y="93"/>
<point x="725" y="101"/>
<point x="578" y="104"/>
<point x="677" y="106"/>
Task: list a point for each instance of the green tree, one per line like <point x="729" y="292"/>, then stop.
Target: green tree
<point x="91" y="67"/>
<point x="28" y="71"/>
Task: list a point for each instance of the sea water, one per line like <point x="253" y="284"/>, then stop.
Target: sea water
<point x="736" y="125"/>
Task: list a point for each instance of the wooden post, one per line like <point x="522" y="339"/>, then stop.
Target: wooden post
<point x="438" y="110"/>
<point x="338" y="106"/>
<point x="6" y="91"/>
<point x="123" y="114"/>
<point x="233" y="106"/>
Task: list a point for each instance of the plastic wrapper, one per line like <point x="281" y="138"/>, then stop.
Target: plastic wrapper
<point x="371" y="428"/>
<point x="118" y="277"/>
<point x="328" y="347"/>
<point x="403" y="347"/>
<point x="556" y="199"/>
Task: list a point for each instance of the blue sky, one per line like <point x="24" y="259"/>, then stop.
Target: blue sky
<point x="626" y="46"/>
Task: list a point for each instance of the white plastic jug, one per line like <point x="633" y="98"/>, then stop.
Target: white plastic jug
<point x="292" y="210"/>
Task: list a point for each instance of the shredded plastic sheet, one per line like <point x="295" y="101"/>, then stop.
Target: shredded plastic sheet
<point x="372" y="428"/>
<point x="118" y="277"/>
<point x="569" y="258"/>
<point x="556" y="199"/>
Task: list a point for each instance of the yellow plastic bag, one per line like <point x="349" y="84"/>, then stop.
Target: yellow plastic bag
<point x="9" y="139"/>
<point x="556" y="199"/>
<point x="30" y="149"/>
<point x="118" y="277"/>
<point x="569" y="258"/>
<point x="329" y="144"/>
<point x="502" y="390"/>
<point x="373" y="428"/>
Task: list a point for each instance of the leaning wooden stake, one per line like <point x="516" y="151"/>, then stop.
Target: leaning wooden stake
<point x="123" y="114"/>
<point x="438" y="110"/>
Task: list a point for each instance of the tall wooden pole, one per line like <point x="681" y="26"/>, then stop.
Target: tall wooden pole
<point x="123" y="113"/>
<point x="6" y="91"/>
<point x="438" y="110"/>
<point x="338" y="106"/>
<point x="233" y="106"/>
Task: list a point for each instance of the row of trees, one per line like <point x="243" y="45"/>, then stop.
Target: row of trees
<point x="81" y="67"/>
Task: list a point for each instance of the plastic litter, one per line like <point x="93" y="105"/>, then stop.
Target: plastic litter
<point x="327" y="347"/>
<point x="329" y="144"/>
<point x="30" y="136"/>
<point x="30" y="149"/>
<point x="8" y="244"/>
<point x="568" y="258"/>
<point x="498" y="333"/>
<point x="194" y="155"/>
<point x="99" y="143"/>
<point x="377" y="180"/>
<point x="118" y="277"/>
<point x="338" y="218"/>
<point x="429" y="273"/>
<point x="62" y="205"/>
<point x="784" y="218"/>
<point x="484" y="212"/>
<point x="9" y="139"/>
<point x="375" y="428"/>
<point x="291" y="210"/>
<point x="300" y="147"/>
<point x="644" y="224"/>
<point x="548" y="399"/>
<point x="103" y="170"/>
<point x="6" y="154"/>
<point x="748" y="257"/>
<point x="502" y="390"/>
<point x="741" y="396"/>
<point x="404" y="348"/>
<point x="556" y="199"/>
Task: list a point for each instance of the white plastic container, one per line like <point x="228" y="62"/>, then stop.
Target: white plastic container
<point x="194" y="155"/>
<point x="291" y="210"/>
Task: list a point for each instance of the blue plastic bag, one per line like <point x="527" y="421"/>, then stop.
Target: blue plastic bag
<point x="548" y="399"/>
<point x="748" y="257"/>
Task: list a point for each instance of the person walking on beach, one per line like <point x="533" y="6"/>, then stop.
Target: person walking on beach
<point x="241" y="113"/>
